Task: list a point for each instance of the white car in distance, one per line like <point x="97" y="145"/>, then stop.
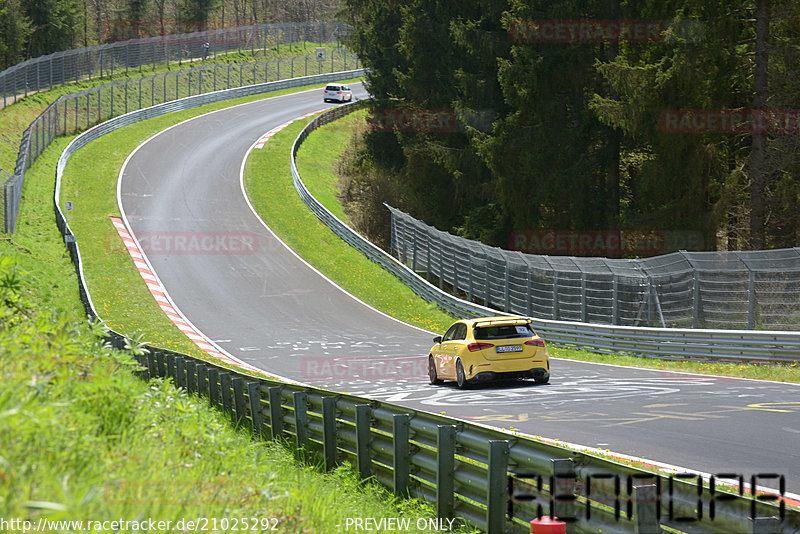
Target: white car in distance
<point x="337" y="93"/>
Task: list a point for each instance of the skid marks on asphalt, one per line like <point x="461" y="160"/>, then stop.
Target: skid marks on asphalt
<point x="564" y="392"/>
<point x="651" y="412"/>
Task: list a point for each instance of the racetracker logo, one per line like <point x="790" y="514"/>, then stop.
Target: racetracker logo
<point x="585" y="31"/>
<point x="200" y="243"/>
<point x="730" y="121"/>
<point x="412" y="120"/>
<point x="363" y="367"/>
<point x="604" y="243"/>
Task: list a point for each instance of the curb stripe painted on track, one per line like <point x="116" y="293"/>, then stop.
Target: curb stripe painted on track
<point x="266" y="137"/>
<point x="160" y="295"/>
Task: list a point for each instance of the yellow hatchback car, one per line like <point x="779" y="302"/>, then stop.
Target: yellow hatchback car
<point x="475" y="350"/>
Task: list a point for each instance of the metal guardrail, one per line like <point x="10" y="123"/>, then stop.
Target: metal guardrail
<point x="495" y="480"/>
<point x="80" y="110"/>
<point x="664" y="342"/>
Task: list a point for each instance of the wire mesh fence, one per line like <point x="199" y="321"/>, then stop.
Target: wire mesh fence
<point x="58" y="68"/>
<point x="81" y="110"/>
<point x="5" y="185"/>
<point x="715" y="290"/>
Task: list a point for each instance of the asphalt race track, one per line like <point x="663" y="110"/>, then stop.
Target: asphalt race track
<point x="265" y="306"/>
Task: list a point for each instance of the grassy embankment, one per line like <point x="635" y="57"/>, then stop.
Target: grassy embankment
<point x="82" y="439"/>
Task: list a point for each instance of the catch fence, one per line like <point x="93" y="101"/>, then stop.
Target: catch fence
<point x="79" y="111"/>
<point x="55" y="69"/>
<point x="715" y="290"/>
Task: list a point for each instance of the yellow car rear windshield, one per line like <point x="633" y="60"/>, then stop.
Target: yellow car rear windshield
<point x="504" y="331"/>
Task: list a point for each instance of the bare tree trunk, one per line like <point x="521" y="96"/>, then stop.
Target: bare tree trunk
<point x="759" y="138"/>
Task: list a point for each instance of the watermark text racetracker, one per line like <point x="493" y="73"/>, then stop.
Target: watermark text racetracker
<point x="199" y="524"/>
<point x="585" y="31"/>
<point x="365" y="368"/>
<point x="777" y="121"/>
<point x="400" y="524"/>
<point x="198" y="243"/>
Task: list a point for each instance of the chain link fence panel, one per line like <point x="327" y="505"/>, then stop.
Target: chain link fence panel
<point x="714" y="290"/>
<point x="55" y="69"/>
<point x="81" y="110"/>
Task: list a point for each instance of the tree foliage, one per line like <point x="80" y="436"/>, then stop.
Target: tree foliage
<point x="570" y="134"/>
<point x="15" y="30"/>
<point x="31" y="28"/>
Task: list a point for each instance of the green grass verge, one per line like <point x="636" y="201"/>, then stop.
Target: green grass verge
<point x="82" y="439"/>
<point x="266" y="178"/>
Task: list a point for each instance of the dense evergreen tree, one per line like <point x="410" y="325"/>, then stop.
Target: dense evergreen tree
<point x="570" y="134"/>
<point x="15" y="29"/>
<point x="55" y="25"/>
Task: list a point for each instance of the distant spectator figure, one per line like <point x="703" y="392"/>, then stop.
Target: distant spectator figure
<point x="205" y="50"/>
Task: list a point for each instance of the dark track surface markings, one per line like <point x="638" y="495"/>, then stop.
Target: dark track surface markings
<point x="268" y="308"/>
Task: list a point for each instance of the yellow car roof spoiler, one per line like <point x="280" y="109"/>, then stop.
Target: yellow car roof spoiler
<point x="501" y="322"/>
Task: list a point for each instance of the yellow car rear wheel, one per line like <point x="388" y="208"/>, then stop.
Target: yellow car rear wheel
<point x="432" y="378"/>
<point x="461" y="376"/>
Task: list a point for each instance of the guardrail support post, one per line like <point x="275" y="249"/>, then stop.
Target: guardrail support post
<point x="506" y="296"/>
<point x="191" y="376"/>
<point x="141" y="371"/>
<point x="152" y="366"/>
<point x="497" y="487"/>
<point x="180" y="372"/>
<point x="275" y="412"/>
<point x="529" y="284"/>
<point x="614" y="299"/>
<point x="238" y="399"/>
<point x="470" y="291"/>
<point x="445" y="469"/>
<point x="414" y="248"/>
<point x="645" y="509"/>
<point x="401" y="466"/>
<point x="363" y="460"/>
<point x="301" y="418"/>
<point x="562" y="489"/>
<point x="213" y="386"/>
<point x="226" y="389"/>
<point x="751" y="299"/>
<point x="202" y="379"/>
<point x="555" y="296"/>
<point x="171" y="366"/>
<point x="583" y="296"/>
<point x="329" y="431"/>
<point x="486" y="282"/>
<point x="455" y="273"/>
<point x="256" y="411"/>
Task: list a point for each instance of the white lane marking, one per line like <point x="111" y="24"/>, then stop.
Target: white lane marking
<point x="296" y="255"/>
